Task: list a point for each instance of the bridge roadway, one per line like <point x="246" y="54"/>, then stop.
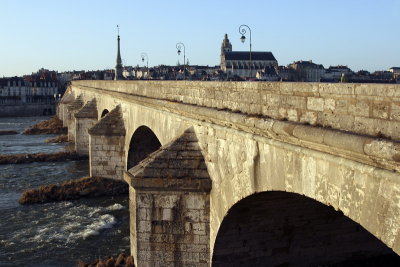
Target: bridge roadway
<point x="246" y="173"/>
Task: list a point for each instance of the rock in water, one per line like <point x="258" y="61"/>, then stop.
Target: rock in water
<point x="51" y="126"/>
<point x="40" y="157"/>
<point x="74" y="189"/>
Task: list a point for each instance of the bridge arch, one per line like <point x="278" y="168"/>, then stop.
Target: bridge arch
<point x="240" y="166"/>
<point x="288" y="229"/>
<point x="143" y="142"/>
<point x="104" y="112"/>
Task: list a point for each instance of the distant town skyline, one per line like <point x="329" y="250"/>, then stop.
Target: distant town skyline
<point x="82" y="35"/>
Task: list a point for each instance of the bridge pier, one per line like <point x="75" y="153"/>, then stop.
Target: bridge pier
<point x="72" y="108"/>
<point x="170" y="206"/>
<point x="62" y="110"/>
<point x="85" y="119"/>
<point x="106" y="146"/>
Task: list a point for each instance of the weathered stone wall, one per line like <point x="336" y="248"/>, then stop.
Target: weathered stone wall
<point x="172" y="204"/>
<point x="106" y="156"/>
<point x="62" y="109"/>
<point x="248" y="154"/>
<point x="82" y="125"/>
<point x="73" y="108"/>
<point x="372" y="109"/>
<point x="172" y="228"/>
<point x="241" y="164"/>
<point x="85" y="119"/>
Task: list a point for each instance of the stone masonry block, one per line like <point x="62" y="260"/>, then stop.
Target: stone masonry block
<point x="380" y="110"/>
<point x="315" y="104"/>
<point x="195" y="201"/>
<point x="144" y="201"/>
<point x="199" y="228"/>
<point x="360" y="108"/>
<point x="144" y="227"/>
<point x="165" y="201"/>
<point x="297" y="102"/>
<point x="192" y="215"/>
<point x="309" y="117"/>
<point x="395" y="111"/>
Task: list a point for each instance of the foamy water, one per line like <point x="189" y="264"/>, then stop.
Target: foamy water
<point x="60" y="233"/>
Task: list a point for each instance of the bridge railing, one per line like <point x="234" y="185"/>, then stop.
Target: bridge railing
<point x="370" y="109"/>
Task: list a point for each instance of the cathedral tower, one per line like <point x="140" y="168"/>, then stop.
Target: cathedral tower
<point x="225" y="47"/>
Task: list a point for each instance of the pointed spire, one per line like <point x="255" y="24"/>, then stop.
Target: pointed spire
<point x="226" y="45"/>
<point x="118" y="67"/>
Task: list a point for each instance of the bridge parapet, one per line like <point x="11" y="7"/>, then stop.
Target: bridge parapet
<point x="370" y="109"/>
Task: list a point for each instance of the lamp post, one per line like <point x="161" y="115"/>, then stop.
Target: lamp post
<point x="179" y="47"/>
<point x="144" y="55"/>
<point x="242" y="31"/>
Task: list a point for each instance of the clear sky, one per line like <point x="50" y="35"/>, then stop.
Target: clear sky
<point x="81" y="34"/>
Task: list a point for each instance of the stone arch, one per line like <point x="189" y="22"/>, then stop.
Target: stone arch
<point x="105" y="112"/>
<point x="143" y="142"/>
<point x="367" y="195"/>
<point x="288" y="229"/>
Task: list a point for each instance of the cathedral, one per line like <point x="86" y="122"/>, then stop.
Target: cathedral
<point x="238" y="63"/>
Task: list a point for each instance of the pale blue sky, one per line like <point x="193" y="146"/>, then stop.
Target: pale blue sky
<point x="81" y="34"/>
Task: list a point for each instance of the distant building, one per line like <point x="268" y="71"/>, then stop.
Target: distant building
<point x="27" y="90"/>
<point x="238" y="63"/>
<point x="32" y="95"/>
<point x="128" y="72"/>
<point x="268" y="74"/>
<point x="287" y="74"/>
<point x="396" y="72"/>
<point x="307" y="71"/>
<point x="335" y="73"/>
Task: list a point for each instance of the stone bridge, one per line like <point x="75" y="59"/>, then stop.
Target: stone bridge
<point x="246" y="173"/>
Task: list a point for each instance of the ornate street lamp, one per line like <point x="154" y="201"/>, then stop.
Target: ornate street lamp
<point x="242" y="31"/>
<point x="144" y="55"/>
<point x="179" y="47"/>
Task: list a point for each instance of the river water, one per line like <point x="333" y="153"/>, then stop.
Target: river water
<point x="53" y="234"/>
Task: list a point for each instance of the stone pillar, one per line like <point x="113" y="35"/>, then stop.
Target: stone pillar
<point x="72" y="108"/>
<point x="85" y="119"/>
<point x="62" y="107"/>
<point x="106" y="146"/>
<point x="170" y="206"/>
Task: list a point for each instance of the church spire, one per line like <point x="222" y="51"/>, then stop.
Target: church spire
<point x="226" y="45"/>
<point x="118" y="67"/>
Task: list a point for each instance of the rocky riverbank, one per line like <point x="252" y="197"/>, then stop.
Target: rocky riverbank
<point x="40" y="157"/>
<point x="51" y="126"/>
<point x="75" y="189"/>
<point x="58" y="139"/>
<point x="121" y="261"/>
